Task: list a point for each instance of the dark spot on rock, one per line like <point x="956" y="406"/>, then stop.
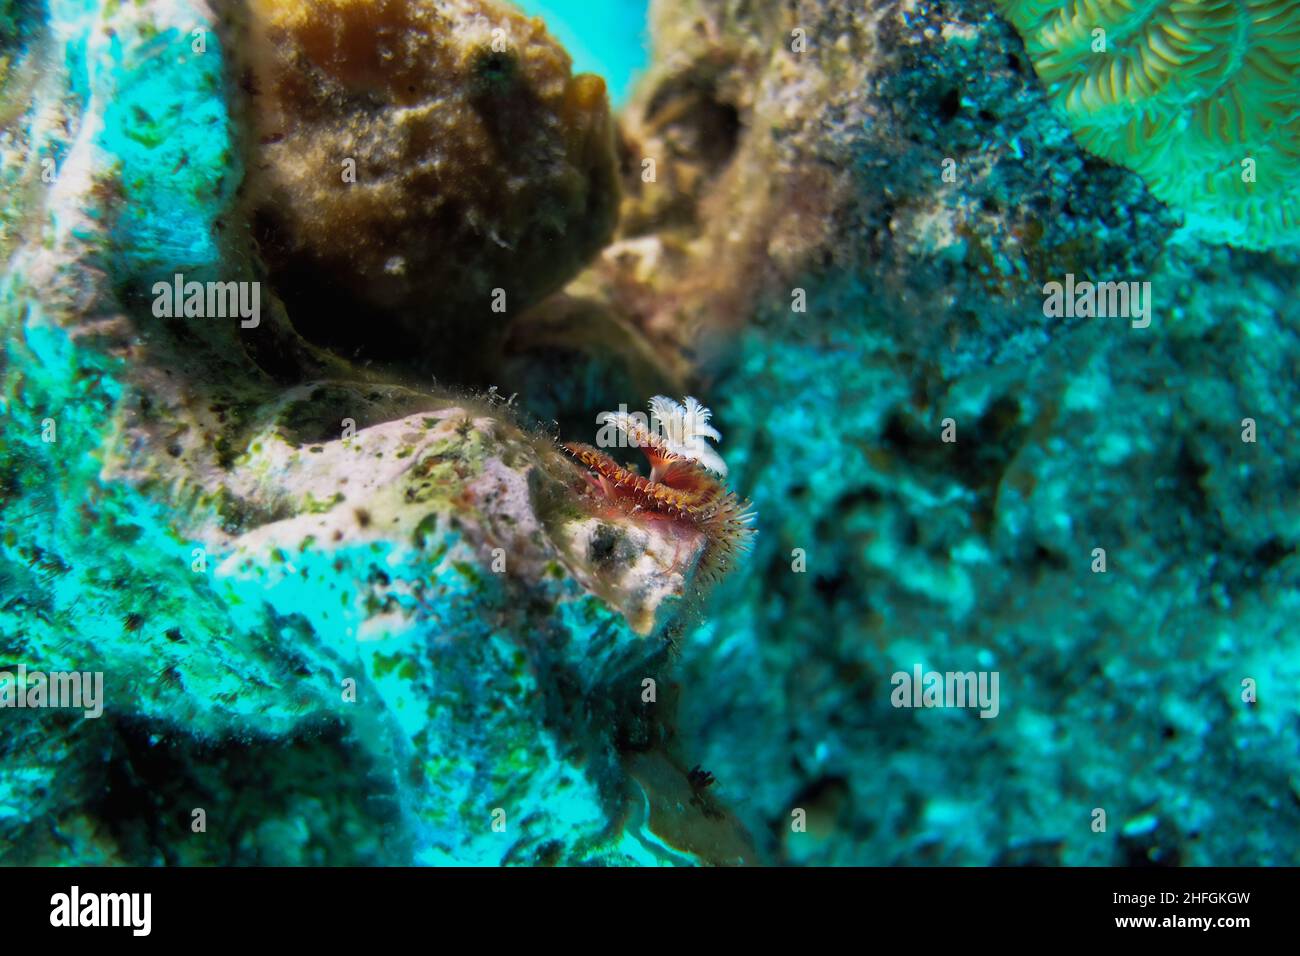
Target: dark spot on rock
<point x="830" y="588"/>
<point x="1273" y="551"/>
<point x="950" y="105"/>
<point x="495" y="72"/>
<point x="604" y="544"/>
<point x="1044" y="558"/>
<point x="549" y="853"/>
<point x="704" y="120"/>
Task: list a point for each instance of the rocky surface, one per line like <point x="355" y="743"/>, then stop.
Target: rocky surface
<point x="882" y="545"/>
<point x="280" y="560"/>
<point x="934" y="459"/>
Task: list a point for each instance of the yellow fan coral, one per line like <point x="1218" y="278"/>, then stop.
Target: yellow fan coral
<point x="1200" y="97"/>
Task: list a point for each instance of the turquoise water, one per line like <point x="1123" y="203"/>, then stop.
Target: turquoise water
<point x="606" y="37"/>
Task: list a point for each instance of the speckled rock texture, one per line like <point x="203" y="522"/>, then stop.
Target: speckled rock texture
<point x="882" y="546"/>
<point x="363" y="616"/>
<point x="287" y="567"/>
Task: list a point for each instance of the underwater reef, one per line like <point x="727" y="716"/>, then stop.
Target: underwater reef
<point x="260" y="542"/>
<point x="314" y="312"/>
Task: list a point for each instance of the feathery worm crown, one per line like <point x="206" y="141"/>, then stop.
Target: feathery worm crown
<point x="679" y="429"/>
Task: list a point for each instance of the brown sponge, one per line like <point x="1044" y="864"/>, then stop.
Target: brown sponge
<point x="413" y="157"/>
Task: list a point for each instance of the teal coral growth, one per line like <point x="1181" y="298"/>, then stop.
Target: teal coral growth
<point x="167" y="125"/>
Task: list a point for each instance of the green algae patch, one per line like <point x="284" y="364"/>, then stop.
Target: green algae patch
<point x="441" y="472"/>
<point x="426" y="530"/>
<point x="469" y="573"/>
<point x="313" y="505"/>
